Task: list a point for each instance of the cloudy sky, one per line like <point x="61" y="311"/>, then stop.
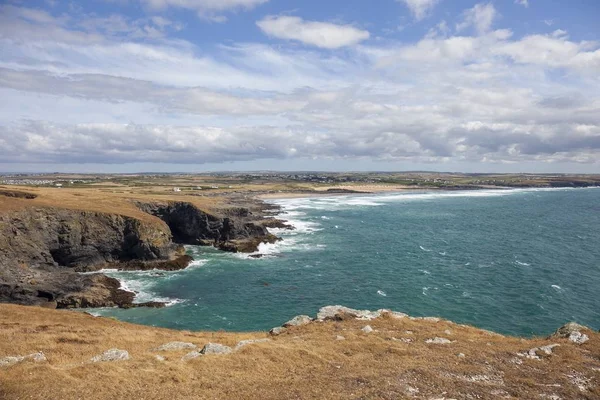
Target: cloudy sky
<point x="201" y="85"/>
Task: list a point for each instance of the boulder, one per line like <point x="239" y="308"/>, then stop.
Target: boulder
<point x="215" y="348"/>
<point x="171" y="346"/>
<point x="438" y="340"/>
<point x="250" y="341"/>
<point x="111" y="355"/>
<point x="339" y="313"/>
<point x="298" y="321"/>
<point x="12" y="360"/>
<point x="534" y="353"/>
<point x="191" y="355"/>
<point x="278" y="330"/>
<point x="367" y="329"/>
<point x="571" y="331"/>
<point x="578" y="337"/>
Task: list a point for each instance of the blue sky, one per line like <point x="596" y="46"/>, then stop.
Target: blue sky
<point x="204" y="85"/>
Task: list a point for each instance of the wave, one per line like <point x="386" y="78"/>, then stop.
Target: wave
<point x="142" y="285"/>
<point x="373" y="200"/>
<point x="381" y="293"/>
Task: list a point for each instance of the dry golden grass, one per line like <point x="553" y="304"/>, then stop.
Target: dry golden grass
<point x="97" y="200"/>
<point x="304" y="363"/>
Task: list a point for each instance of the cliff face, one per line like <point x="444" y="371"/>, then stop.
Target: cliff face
<point x="234" y="230"/>
<point x="42" y="249"/>
<point x="70" y="238"/>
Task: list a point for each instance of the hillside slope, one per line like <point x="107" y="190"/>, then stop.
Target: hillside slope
<point x="335" y="358"/>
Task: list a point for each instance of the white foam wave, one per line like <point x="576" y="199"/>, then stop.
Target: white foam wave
<point x="381" y="293"/>
<point x="424" y="249"/>
<point x="341" y="202"/>
<point x="143" y="290"/>
<point x="522" y="263"/>
<point x="556" y="287"/>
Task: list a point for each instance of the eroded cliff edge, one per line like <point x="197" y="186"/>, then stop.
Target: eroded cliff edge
<point x="43" y="250"/>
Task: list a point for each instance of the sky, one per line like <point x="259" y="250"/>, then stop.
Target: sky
<point x="336" y="85"/>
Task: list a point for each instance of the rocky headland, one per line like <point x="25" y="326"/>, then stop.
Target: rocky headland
<point x="46" y="244"/>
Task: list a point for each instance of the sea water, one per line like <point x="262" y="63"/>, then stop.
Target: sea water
<point x="514" y="261"/>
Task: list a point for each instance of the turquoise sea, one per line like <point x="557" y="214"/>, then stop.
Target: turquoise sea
<point x="514" y="261"/>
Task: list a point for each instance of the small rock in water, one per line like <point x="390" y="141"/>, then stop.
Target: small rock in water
<point x="298" y="321"/>
<point x="250" y="341"/>
<point x="175" y="346"/>
<point x="111" y="355"/>
<point x="438" y="340"/>
<point x="278" y="330"/>
<point x="215" y="348"/>
<point x="367" y="329"/>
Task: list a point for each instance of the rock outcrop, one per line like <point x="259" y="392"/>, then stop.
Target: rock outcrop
<point x="232" y="229"/>
<point x="111" y="355"/>
<point x="43" y="249"/>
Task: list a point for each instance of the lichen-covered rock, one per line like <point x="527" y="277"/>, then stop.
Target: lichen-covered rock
<point x="278" y="330"/>
<point x="571" y="331"/>
<point x="578" y="337"/>
<point x="298" y="321"/>
<point x="534" y="353"/>
<point x="111" y="355"/>
<point x="338" y="312"/>
<point x="191" y="355"/>
<point x="367" y="329"/>
<point x="12" y="360"/>
<point x="215" y="348"/>
<point x="438" y="340"/>
<point x="173" y="346"/>
<point x="250" y="341"/>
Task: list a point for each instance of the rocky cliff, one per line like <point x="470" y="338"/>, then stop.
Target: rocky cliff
<point x="43" y="249"/>
<point x="232" y="229"/>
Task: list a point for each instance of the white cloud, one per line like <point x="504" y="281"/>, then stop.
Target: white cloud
<point x="524" y="3"/>
<point x="206" y="9"/>
<point x="99" y="93"/>
<point x="320" y="34"/>
<point x="420" y="8"/>
<point x="481" y="17"/>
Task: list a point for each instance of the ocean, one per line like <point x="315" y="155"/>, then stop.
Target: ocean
<point x="520" y="262"/>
